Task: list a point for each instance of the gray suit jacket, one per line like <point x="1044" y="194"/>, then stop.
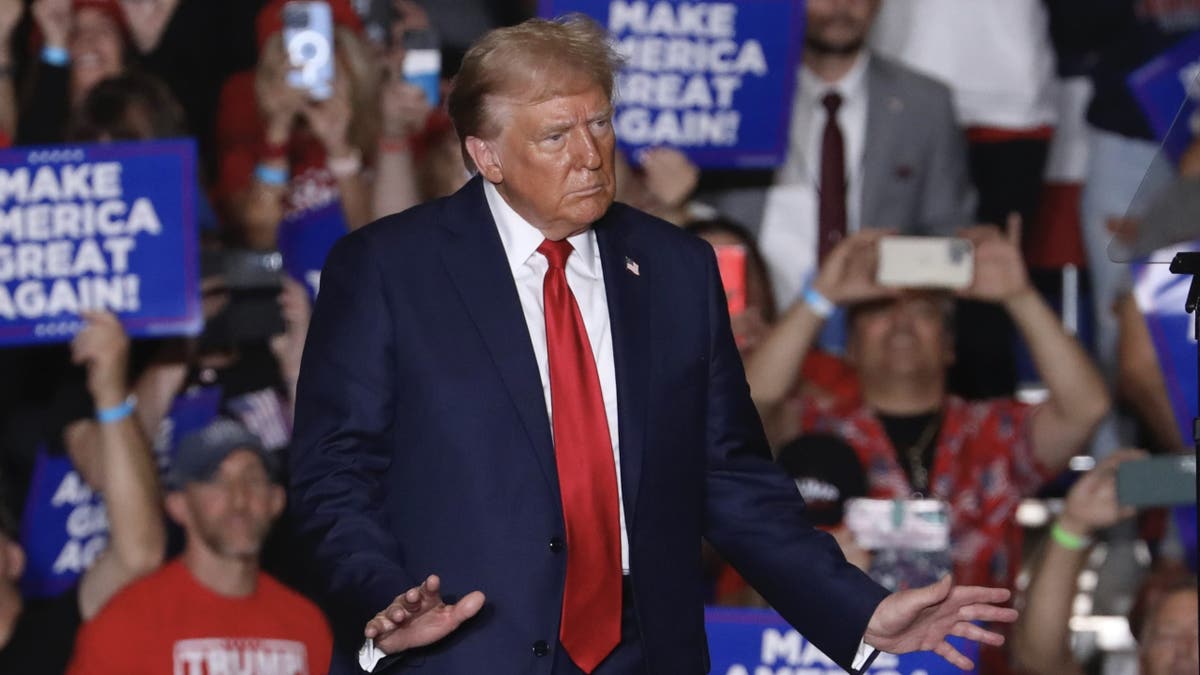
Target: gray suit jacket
<point x="915" y="176"/>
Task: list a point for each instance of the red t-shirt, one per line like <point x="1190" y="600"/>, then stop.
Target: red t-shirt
<point x="169" y="623"/>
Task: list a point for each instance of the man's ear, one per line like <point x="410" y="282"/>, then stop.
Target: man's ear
<point x="483" y="153"/>
<point x="14" y="559"/>
<point x="278" y="501"/>
<point x="177" y="509"/>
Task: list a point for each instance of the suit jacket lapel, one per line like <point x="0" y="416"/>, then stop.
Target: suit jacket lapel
<point x="883" y="104"/>
<point x="475" y="259"/>
<point x="627" y="282"/>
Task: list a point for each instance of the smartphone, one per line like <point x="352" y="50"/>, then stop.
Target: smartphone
<point x="925" y="262"/>
<point x="1167" y="480"/>
<point x="423" y="63"/>
<point x="731" y="261"/>
<point x="308" y="38"/>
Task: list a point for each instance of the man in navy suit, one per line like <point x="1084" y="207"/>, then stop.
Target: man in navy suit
<point x="534" y="392"/>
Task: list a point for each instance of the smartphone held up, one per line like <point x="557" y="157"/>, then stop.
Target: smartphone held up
<point x="925" y="262"/>
<point x="308" y="39"/>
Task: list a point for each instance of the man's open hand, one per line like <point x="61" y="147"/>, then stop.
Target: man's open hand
<point x="419" y="617"/>
<point x="922" y="618"/>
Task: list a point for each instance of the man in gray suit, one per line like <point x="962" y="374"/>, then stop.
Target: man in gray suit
<point x="872" y="145"/>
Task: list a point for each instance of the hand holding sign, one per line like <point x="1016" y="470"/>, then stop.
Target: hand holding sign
<point x="103" y="347"/>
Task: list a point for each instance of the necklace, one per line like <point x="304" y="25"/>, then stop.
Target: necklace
<point x="915" y="454"/>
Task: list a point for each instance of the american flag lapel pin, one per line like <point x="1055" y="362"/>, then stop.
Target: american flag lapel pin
<point x="632" y="267"/>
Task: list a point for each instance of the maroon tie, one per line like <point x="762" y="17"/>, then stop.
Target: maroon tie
<point x="832" y="227"/>
<point x="587" y="476"/>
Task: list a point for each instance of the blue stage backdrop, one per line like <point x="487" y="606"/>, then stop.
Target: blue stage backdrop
<point x="714" y="79"/>
<point x="760" y="642"/>
<point x="108" y="226"/>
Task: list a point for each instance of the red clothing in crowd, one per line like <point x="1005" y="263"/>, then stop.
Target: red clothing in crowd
<point x="982" y="468"/>
<point x="169" y="623"/>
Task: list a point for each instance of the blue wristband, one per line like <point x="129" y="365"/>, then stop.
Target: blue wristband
<point x="117" y="412"/>
<point x="56" y="56"/>
<point x="269" y="175"/>
<point x="819" y="304"/>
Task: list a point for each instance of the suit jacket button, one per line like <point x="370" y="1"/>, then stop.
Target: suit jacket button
<point x="540" y="648"/>
<point x="557" y="545"/>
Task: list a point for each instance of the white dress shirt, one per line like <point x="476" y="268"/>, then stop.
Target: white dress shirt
<point x="788" y="237"/>
<point x="585" y="276"/>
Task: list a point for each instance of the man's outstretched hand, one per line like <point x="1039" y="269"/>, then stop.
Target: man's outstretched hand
<point x="419" y="617"/>
<point x="922" y="618"/>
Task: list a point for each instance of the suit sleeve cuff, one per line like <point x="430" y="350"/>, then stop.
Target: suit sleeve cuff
<point x="863" y="658"/>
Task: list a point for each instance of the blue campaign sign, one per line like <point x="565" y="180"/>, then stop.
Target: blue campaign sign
<point x="1167" y="89"/>
<point x="760" y="642"/>
<point x="1161" y="296"/>
<point x="108" y="226"/>
<point x="714" y="79"/>
<point x="63" y="528"/>
<point x="305" y="240"/>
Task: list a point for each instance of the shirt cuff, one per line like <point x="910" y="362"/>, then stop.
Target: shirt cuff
<point x="863" y="658"/>
<point x="369" y="656"/>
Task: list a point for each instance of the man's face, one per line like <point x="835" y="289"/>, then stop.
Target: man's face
<point x="1169" y="646"/>
<point x="232" y="512"/>
<point x="553" y="161"/>
<point x="839" y="26"/>
<point x="902" y="337"/>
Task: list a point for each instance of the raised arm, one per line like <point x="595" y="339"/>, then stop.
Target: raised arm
<point x="846" y="276"/>
<point x="1042" y="638"/>
<point x="1078" y="396"/>
<point x="126" y="467"/>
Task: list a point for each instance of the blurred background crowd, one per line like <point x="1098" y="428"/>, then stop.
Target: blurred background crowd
<point x="985" y="424"/>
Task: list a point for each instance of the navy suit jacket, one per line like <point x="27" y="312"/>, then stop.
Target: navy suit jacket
<point x="422" y="445"/>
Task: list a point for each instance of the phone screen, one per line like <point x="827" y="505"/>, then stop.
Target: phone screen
<point x="308" y="39"/>
<point x="731" y="261"/>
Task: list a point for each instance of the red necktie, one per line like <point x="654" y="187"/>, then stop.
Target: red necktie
<point x="587" y="476"/>
<point x="832" y="224"/>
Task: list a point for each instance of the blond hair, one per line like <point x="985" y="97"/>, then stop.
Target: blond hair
<point x="534" y="61"/>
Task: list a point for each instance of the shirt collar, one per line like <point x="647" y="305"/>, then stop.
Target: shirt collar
<point x="852" y="85"/>
<point x="521" y="239"/>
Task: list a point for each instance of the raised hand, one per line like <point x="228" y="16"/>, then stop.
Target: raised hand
<point x="847" y="274"/>
<point x="53" y="18"/>
<point x="147" y="19"/>
<point x="330" y="119"/>
<point x="1000" y="273"/>
<point x="278" y="102"/>
<point x="10" y="15"/>
<point x="669" y="175"/>
<point x="419" y="617"/>
<point x="403" y="108"/>
<point x="103" y="348"/>
<point x="288" y="346"/>
<point x="1092" y="503"/>
<point x="921" y="619"/>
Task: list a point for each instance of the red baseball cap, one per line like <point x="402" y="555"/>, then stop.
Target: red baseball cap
<point x="270" y="18"/>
